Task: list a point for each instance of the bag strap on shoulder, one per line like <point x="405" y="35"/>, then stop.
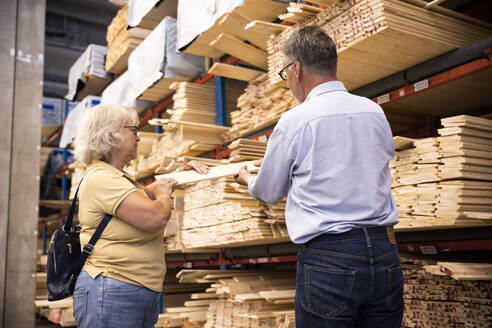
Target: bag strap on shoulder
<point x="87" y="250"/>
<point x="68" y="225"/>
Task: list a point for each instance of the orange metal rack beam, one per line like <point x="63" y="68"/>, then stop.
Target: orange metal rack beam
<point x="437" y="80"/>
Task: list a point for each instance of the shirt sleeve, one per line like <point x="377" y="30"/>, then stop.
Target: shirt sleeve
<point x="273" y="179"/>
<point x="108" y="190"/>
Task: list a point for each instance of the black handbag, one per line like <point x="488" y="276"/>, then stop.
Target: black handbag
<point x="65" y="260"/>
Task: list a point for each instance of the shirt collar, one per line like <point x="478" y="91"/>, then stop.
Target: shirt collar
<point x="105" y="166"/>
<point x="326" y="87"/>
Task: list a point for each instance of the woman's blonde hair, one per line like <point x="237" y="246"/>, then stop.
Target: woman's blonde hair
<point x="101" y="130"/>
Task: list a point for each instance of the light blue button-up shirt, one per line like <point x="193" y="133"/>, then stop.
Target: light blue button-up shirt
<point x="330" y="156"/>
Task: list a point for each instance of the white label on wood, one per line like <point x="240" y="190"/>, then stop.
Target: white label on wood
<point x="424" y="84"/>
<point x="383" y="99"/>
<point x="428" y="249"/>
<point x="262" y="138"/>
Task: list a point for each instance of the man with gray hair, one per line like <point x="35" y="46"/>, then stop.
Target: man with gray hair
<point x="330" y="156"/>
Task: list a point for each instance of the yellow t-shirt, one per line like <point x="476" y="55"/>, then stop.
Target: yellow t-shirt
<point x="123" y="251"/>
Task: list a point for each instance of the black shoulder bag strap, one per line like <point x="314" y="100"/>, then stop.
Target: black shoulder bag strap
<point x="87" y="250"/>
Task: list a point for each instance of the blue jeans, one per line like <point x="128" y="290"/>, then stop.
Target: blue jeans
<point x="109" y="303"/>
<point x="353" y="279"/>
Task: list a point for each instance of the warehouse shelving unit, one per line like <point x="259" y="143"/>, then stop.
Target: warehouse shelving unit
<point x="442" y="89"/>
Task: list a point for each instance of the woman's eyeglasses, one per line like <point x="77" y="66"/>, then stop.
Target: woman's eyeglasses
<point x="134" y="128"/>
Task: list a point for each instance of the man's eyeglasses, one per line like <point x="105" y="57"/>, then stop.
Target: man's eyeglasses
<point x="283" y="73"/>
<point x="134" y="128"/>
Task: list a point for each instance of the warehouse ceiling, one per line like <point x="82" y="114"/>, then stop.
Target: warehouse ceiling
<point x="70" y="26"/>
<point x="73" y="24"/>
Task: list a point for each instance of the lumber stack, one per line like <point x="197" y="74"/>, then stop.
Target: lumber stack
<point x="180" y="138"/>
<point x="59" y="312"/>
<point x="215" y="214"/>
<point x="259" y="107"/>
<point x="299" y="12"/>
<point x="232" y="26"/>
<point x="197" y="102"/>
<point x="434" y="299"/>
<point x="446" y="180"/>
<point x="466" y="147"/>
<point x="246" y="150"/>
<point x="240" y="298"/>
<point x="377" y="38"/>
<point x="122" y="41"/>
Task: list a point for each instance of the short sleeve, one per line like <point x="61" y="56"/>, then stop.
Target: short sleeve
<point x="107" y="190"/>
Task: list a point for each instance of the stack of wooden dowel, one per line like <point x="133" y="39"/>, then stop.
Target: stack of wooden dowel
<point x="433" y="299"/>
<point x="260" y="106"/>
<point x="377" y="38"/>
<point x="122" y="41"/>
<point x="219" y="212"/>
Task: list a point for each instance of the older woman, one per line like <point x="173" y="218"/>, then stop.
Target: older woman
<point x="121" y="281"/>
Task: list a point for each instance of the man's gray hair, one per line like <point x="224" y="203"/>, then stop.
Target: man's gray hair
<point x="314" y="49"/>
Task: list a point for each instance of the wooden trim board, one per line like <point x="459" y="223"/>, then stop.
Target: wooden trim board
<point x="216" y="172"/>
<point x="234" y="72"/>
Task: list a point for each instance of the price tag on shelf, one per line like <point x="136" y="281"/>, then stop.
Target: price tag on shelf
<point x="383" y="99"/>
<point x="424" y="84"/>
<point x="428" y="250"/>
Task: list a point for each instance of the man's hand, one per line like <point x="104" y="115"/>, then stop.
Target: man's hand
<point x="244" y="176"/>
<point x="258" y="162"/>
<point x="195" y="165"/>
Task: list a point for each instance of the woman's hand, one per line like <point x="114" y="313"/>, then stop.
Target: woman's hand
<point x="163" y="187"/>
<point x="195" y="165"/>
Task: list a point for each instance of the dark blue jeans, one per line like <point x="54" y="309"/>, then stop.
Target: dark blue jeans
<point x="353" y="279"/>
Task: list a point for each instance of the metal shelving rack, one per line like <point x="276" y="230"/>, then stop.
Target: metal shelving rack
<point x="426" y="240"/>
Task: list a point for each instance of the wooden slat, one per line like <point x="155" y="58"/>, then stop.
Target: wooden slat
<point x="216" y="172"/>
<point x="241" y="50"/>
<point x="234" y="72"/>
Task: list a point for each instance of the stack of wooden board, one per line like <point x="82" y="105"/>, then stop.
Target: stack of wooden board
<point x="285" y="319"/>
<point x="122" y="41"/>
<point x="233" y="27"/>
<point x="299" y="12"/>
<point x="435" y="300"/>
<point x="377" y="38"/>
<point x="466" y="147"/>
<point x="216" y="214"/>
<point x="197" y="102"/>
<point x="246" y="150"/>
<point x="180" y="138"/>
<point x="59" y="312"/>
<point x="260" y="106"/>
<point x="248" y="299"/>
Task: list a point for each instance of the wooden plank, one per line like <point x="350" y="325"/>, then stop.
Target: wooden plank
<point x="216" y="172"/>
<point x="234" y="72"/>
<point x="93" y="87"/>
<point x="402" y="143"/>
<point x="25" y="129"/>
<point x="241" y="50"/>
<point x="268" y="28"/>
